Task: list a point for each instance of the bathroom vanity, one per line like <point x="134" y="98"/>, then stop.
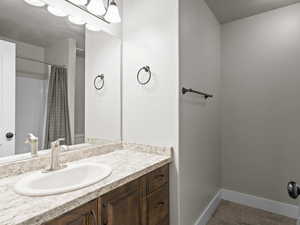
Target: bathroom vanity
<point x="135" y="193"/>
<point x="144" y="201"/>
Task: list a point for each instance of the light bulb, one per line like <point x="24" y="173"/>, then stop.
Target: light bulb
<point x="112" y="15"/>
<point x="79" y="2"/>
<point x="96" y="7"/>
<point x="76" y="20"/>
<point x="92" y="27"/>
<point x="36" y="3"/>
<point x="56" y="11"/>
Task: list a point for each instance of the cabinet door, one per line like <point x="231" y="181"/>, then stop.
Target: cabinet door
<point x="84" y="215"/>
<point x="158" y="207"/>
<point x="122" y="206"/>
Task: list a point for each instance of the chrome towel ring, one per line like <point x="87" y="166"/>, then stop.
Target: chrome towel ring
<point x="147" y="70"/>
<point x="99" y="82"/>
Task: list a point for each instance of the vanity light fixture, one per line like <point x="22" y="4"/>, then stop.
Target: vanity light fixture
<point x="109" y="14"/>
<point x="112" y="15"/>
<point x="56" y="11"/>
<point x="76" y="20"/>
<point x="96" y="7"/>
<point x="36" y="3"/>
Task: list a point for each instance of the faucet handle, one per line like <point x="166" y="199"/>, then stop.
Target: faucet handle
<point x="31" y="138"/>
<point x="57" y="142"/>
<point x="60" y="140"/>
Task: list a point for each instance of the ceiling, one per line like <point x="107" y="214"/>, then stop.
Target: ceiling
<point x="229" y="10"/>
<point x="22" y="22"/>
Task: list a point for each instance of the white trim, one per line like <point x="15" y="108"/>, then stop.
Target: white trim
<point x="261" y="203"/>
<point x="209" y="210"/>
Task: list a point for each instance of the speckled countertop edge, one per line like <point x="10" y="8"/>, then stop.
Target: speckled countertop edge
<point x="131" y="164"/>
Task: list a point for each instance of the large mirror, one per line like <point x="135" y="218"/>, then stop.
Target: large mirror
<point x="57" y="80"/>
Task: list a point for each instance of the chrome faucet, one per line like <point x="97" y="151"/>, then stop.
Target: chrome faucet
<point x="54" y="158"/>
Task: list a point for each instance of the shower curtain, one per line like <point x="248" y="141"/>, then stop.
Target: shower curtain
<point x="57" y="117"/>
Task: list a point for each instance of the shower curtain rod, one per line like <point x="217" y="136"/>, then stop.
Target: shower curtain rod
<point x="39" y="61"/>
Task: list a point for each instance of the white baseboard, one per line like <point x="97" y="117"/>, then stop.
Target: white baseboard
<point x="261" y="203"/>
<point x="209" y="210"/>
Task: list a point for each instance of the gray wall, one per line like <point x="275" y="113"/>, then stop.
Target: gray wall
<point x="261" y="107"/>
<point x="199" y="159"/>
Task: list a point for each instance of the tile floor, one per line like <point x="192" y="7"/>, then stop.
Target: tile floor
<point x="229" y="213"/>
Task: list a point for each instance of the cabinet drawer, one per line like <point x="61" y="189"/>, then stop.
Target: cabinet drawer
<point x="157" y="178"/>
<point x="158" y="207"/>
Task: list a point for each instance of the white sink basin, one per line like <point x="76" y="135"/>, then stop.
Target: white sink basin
<point x="71" y="178"/>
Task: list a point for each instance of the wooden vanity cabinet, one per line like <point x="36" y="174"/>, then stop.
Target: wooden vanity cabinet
<point x="144" y="201"/>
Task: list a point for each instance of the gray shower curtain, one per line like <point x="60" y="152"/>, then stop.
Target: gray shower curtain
<point x="57" y="118"/>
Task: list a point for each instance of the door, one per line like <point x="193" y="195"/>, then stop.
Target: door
<point x="122" y="206"/>
<point x="7" y="97"/>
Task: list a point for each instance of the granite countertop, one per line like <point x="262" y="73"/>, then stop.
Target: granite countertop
<point x="127" y="165"/>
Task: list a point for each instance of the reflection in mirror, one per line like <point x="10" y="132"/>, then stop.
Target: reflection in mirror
<point x="43" y="80"/>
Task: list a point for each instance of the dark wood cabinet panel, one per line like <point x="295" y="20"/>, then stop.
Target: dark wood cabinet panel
<point x="84" y="215"/>
<point x="122" y="206"/>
